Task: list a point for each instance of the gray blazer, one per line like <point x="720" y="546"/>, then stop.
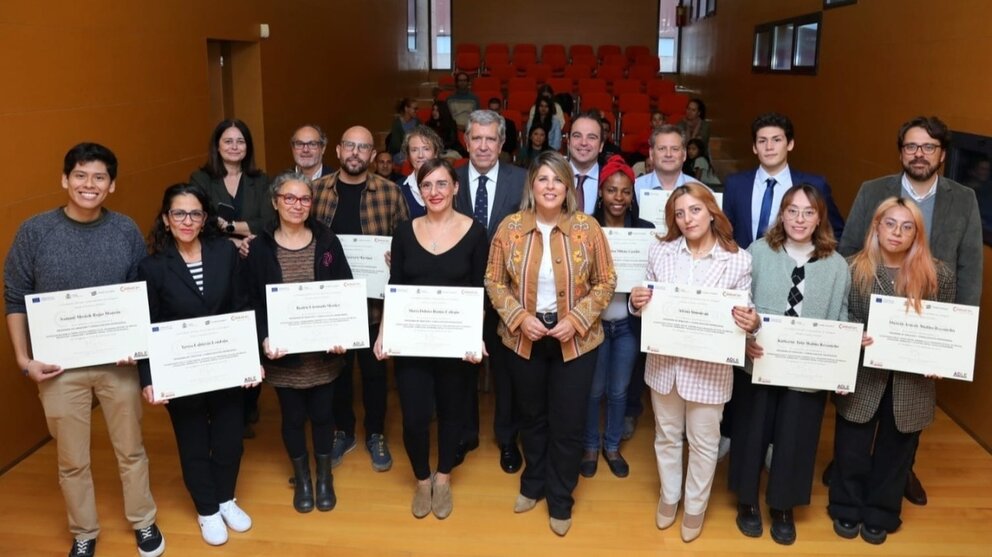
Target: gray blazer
<point x="509" y="192"/>
<point x="955" y="238"/>
<point x="913" y="396"/>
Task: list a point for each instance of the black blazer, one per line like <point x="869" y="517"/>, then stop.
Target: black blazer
<point x="256" y="203"/>
<point x="173" y="295"/>
<point x="509" y="193"/>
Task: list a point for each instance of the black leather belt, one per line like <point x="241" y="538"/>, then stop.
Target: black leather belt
<point x="549" y="319"/>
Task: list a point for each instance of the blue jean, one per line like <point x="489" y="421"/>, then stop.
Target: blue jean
<point x="614" y="366"/>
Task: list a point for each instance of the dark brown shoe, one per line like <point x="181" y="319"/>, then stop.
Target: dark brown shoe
<point x="914" y="491"/>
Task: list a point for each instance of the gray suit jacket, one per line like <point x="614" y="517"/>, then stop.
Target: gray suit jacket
<point x="509" y="192"/>
<point x="955" y="238"/>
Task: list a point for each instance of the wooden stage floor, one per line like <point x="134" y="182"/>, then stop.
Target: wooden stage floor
<point x="612" y="516"/>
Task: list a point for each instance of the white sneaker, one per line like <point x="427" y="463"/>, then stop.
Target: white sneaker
<point x="236" y="519"/>
<point x="724" y="448"/>
<point x="212" y="529"/>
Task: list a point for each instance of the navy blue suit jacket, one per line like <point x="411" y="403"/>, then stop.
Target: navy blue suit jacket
<point x="737" y="190"/>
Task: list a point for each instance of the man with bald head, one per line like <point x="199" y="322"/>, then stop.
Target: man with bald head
<point x="356" y="201"/>
<point x="308" y="144"/>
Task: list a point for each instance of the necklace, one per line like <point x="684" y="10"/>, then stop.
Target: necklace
<point x="433" y="237"/>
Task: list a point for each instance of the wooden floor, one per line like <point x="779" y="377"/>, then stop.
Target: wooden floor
<point x="611" y="517"/>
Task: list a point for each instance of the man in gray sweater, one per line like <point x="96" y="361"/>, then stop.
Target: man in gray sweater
<point x="82" y="245"/>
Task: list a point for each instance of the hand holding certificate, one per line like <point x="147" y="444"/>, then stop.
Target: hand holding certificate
<point x="940" y="341"/>
<point x="433" y="321"/>
<point x="367" y="259"/>
<point x="203" y="354"/>
<point x="89" y="326"/>
<point x="317" y="316"/>
<point x="629" y="247"/>
<point x="808" y="353"/>
<point x="695" y="322"/>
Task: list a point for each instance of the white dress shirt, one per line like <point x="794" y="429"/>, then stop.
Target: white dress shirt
<point x="473" y="181"/>
<point x="783" y="181"/>
<point x="590" y="189"/>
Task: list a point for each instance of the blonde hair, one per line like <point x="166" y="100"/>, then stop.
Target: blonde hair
<point x="557" y="163"/>
<point x="720" y="227"/>
<point x="917" y="277"/>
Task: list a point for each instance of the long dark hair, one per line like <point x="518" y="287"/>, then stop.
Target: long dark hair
<point x="689" y="166"/>
<point x="160" y="239"/>
<point x="537" y="119"/>
<point x="215" y="164"/>
<point x="444" y="125"/>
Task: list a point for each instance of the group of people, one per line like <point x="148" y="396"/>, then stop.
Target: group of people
<point x="558" y="337"/>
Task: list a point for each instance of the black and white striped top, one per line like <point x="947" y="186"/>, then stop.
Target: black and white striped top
<point x="196" y="270"/>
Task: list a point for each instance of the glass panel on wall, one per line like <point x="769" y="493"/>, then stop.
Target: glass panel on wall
<point x="668" y="36"/>
<point x="782" y="47"/>
<point x="806" y="36"/>
<point x="411" y="25"/>
<point x="762" y="49"/>
<point x="441" y="34"/>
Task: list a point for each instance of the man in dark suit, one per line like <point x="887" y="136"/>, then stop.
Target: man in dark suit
<point x="488" y="192"/>
<point x="751" y="198"/>
<point x="951" y="216"/>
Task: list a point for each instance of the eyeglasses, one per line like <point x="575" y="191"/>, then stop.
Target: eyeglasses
<point x="179" y="215"/>
<point x="440" y="185"/>
<point x="290" y="199"/>
<point x="792" y="213"/>
<point x="229" y="142"/>
<point x="913" y="148"/>
<point x="892" y="224"/>
<point x="300" y="145"/>
<point x="348" y="146"/>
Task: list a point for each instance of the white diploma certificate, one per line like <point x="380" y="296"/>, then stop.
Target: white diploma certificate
<point x="367" y="259"/>
<point x="203" y="354"/>
<point x="315" y="316"/>
<point x="89" y="326"/>
<point x="693" y="322"/>
<point x="651" y="205"/>
<point x="808" y="353"/>
<point x="435" y="321"/>
<point x="940" y="341"/>
<point x="630" y="254"/>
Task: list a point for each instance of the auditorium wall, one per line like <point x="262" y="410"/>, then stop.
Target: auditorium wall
<point x="880" y="64"/>
<point x="134" y="76"/>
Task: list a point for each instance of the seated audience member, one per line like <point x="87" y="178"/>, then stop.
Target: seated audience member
<point x="644" y="144"/>
<point x="383" y="166"/>
<point x="194" y="272"/>
<point x="420" y="146"/>
<point x="403" y="123"/>
<point x="547" y="92"/>
<point x="697" y="163"/>
<point x="694" y="125"/>
<point x="610" y="148"/>
<point x="445" y="127"/>
<point x="463" y="101"/>
<point x="512" y="135"/>
<point x="537" y="143"/>
<point x="544" y="117"/>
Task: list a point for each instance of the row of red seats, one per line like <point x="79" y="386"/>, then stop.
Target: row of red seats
<point x="553" y="55"/>
<point x="653" y="87"/>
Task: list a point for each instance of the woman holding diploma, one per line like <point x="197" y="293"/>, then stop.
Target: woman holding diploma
<point x="879" y="424"/>
<point x="193" y="272"/>
<point x="795" y="271"/>
<point x="688" y="395"/>
<point x="441" y="248"/>
<point x="550" y="275"/>
<point x="297" y="248"/>
<point x="618" y="354"/>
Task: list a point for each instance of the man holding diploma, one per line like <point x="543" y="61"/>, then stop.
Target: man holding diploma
<point x="81" y="245"/>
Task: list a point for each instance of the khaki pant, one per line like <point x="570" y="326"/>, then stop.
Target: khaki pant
<point x="68" y="400"/>
<point x="701" y="424"/>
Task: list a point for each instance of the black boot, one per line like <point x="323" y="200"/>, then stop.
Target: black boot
<point x="325" y="483"/>
<point x="302" y="486"/>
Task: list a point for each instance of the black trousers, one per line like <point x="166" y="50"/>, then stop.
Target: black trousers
<point x="298" y="406"/>
<point x="741" y="379"/>
<point x="635" y="389"/>
<point x="251" y="395"/>
<point x="552" y="400"/>
<point x="423" y="384"/>
<point x="373" y="391"/>
<point x="791" y="420"/>
<point x="871" y="463"/>
<point x="208" y="429"/>
<point x="506" y="421"/>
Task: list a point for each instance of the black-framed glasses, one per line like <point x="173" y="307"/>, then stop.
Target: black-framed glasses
<point x="913" y="148"/>
<point x="349" y="146"/>
<point x="290" y="199"/>
<point x="179" y="215"/>
<point x="312" y="145"/>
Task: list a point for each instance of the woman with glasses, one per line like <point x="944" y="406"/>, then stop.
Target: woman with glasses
<point x="420" y="146"/>
<point x="878" y="425"/>
<point x="441" y="248"/>
<point x="550" y="275"/>
<point x="796" y="271"/>
<point x="193" y="272"/>
<point x="688" y="395"/>
<point x="297" y="248"/>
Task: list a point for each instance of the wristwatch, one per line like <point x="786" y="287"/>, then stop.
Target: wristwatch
<point x="229" y="228"/>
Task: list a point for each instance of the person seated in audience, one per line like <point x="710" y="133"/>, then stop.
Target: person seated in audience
<point x="658" y="119"/>
<point x="610" y="148"/>
<point x="547" y="92"/>
<point x="546" y="117"/>
<point x="512" y="135"/>
<point x="443" y="124"/>
<point x="403" y="123"/>
<point x="537" y="143"/>
<point x="695" y="125"/>
<point x="463" y="101"/>
<point x="383" y="166"/>
<point x="697" y="163"/>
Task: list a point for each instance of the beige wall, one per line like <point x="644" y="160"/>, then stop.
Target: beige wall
<point x="133" y="75"/>
<point x="881" y="63"/>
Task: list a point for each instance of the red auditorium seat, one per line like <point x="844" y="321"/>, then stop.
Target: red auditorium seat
<point x="633" y="102"/>
<point x="467" y="62"/>
<point x="610" y="73"/>
<point x="658" y="87"/>
<point x="627" y="86"/>
<point x="525" y="84"/>
<point x="634" y="51"/>
<point x="580" y="50"/>
<point x="642" y="72"/>
<point x="601" y="101"/>
<point x="578" y="71"/>
<point x="606" y="49"/>
<point x="592" y="85"/>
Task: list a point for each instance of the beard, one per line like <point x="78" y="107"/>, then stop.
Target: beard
<point x="354" y="166"/>
<point x="920" y="174"/>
